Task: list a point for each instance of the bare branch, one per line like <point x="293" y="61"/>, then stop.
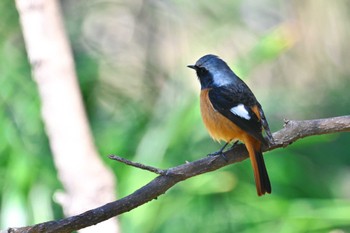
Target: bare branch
<point x="292" y="131"/>
<point x="138" y="165"/>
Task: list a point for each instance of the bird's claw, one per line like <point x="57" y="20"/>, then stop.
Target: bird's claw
<point x="219" y="153"/>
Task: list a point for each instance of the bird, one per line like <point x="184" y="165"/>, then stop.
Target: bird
<point x="231" y="113"/>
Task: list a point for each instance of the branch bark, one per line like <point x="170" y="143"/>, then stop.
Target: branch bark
<point x="291" y="132"/>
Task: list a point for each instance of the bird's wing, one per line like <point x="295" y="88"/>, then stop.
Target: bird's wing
<point x="237" y="103"/>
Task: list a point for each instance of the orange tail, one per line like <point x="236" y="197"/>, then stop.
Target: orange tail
<point x="262" y="180"/>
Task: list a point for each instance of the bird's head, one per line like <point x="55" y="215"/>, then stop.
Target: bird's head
<point x="213" y="72"/>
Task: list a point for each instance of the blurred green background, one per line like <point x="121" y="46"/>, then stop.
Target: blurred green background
<point x="142" y="104"/>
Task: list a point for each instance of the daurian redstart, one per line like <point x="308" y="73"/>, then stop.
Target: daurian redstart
<point x="231" y="112"/>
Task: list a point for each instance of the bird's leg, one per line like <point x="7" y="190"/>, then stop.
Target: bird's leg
<point x="220" y="152"/>
<point x="234" y="144"/>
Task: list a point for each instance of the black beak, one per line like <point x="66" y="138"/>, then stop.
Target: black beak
<point x="192" y="67"/>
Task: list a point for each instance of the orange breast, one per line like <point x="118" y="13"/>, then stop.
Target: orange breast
<point x="219" y="127"/>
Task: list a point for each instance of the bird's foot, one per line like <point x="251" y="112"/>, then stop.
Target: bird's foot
<point x="219" y="153"/>
<point x="234" y="144"/>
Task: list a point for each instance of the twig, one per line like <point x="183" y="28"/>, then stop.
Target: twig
<point x="138" y="165"/>
<point x="292" y="131"/>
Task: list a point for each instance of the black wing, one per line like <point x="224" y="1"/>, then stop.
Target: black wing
<point x="265" y="125"/>
<point x="236" y="102"/>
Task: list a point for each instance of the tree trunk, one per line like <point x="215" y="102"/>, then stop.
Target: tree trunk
<point x="87" y="181"/>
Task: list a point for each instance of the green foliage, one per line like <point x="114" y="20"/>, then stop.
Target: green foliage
<point x="142" y="104"/>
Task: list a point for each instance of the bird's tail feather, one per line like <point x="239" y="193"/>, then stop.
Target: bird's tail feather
<point x="262" y="180"/>
<point x="264" y="177"/>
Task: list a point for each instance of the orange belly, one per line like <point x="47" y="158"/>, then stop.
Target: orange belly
<point x="219" y="127"/>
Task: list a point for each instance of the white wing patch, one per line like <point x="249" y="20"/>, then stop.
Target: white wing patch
<point x="240" y="111"/>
